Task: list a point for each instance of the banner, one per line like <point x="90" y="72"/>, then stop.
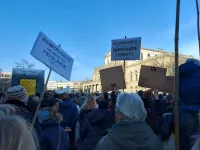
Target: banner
<point x="152" y="77"/>
<point x="46" y="51"/>
<point x="29" y="85"/>
<point x="126" y="49"/>
<point x="112" y="78"/>
<point x="25" y="76"/>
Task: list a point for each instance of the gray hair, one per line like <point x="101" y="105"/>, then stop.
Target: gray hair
<point x="131" y="106"/>
<point x="6" y="109"/>
<point x="15" y="134"/>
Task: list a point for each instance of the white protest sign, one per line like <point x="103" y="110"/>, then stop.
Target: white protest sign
<point x="126" y="49"/>
<point x="46" y="51"/>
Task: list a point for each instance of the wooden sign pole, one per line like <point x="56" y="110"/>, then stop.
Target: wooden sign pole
<point x="176" y="112"/>
<point x="124" y="74"/>
<point x="198" y="32"/>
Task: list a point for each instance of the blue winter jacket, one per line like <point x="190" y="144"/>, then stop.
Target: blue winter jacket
<point x="70" y="114"/>
<point x="51" y="133"/>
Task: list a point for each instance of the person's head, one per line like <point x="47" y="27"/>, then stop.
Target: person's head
<point x="169" y="98"/>
<point x="17" y="93"/>
<point x="130" y="107"/>
<point x="148" y="94"/>
<point x="90" y="103"/>
<point x="15" y="134"/>
<point x="101" y="97"/>
<point x="51" y="112"/>
<point x="105" y="96"/>
<point x="6" y="109"/>
<point x="75" y="101"/>
<point x="140" y="93"/>
<point x="65" y="96"/>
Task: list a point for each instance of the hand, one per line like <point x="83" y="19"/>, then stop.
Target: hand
<point x="67" y="129"/>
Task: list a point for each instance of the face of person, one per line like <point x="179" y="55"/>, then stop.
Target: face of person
<point x="55" y="108"/>
<point x="118" y="115"/>
<point x="65" y="97"/>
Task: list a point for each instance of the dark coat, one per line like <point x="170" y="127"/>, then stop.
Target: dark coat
<point x="92" y="129"/>
<point x="110" y="118"/>
<point x="83" y="116"/>
<point x="130" y="136"/>
<point x="23" y="111"/>
<point x="70" y="114"/>
<point x="52" y="132"/>
<point x="151" y="119"/>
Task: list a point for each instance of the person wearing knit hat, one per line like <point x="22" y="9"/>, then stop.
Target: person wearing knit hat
<point x="16" y="93"/>
<point x="17" y="97"/>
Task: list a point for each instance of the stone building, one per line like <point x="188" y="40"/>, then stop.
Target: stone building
<point x="151" y="57"/>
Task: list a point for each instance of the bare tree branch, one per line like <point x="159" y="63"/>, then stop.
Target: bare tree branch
<point x="24" y="64"/>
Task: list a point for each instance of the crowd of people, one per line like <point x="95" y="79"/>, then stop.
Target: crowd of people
<point x="127" y="121"/>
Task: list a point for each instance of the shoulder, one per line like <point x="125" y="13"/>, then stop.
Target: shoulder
<point x="104" y="143"/>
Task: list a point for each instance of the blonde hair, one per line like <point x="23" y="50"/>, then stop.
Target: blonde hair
<point x="90" y="103"/>
<point x="16" y="135"/>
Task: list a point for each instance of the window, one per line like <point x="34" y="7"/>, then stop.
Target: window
<point x="149" y="55"/>
<point x="107" y="61"/>
<point x="136" y="77"/>
<point x="131" y="77"/>
<point x="141" y="56"/>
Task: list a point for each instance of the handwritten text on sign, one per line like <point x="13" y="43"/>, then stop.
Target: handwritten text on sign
<point x="46" y="51"/>
<point x="29" y="85"/>
<point x="126" y="49"/>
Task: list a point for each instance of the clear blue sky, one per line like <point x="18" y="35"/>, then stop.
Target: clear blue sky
<point x="85" y="28"/>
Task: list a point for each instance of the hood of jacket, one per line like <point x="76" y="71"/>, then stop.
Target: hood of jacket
<point x="66" y="104"/>
<point x="97" y="116"/>
<point x="49" y="124"/>
<point x="189" y="84"/>
<point x="134" y="135"/>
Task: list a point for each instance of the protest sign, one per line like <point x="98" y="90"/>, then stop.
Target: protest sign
<point x="167" y="85"/>
<point x="29" y="85"/>
<point x="112" y="78"/>
<point x="21" y="75"/>
<point x="126" y="49"/>
<point x="46" y="51"/>
<point x="151" y="77"/>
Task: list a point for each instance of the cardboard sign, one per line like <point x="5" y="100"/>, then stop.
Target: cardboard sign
<point x="167" y="85"/>
<point x="126" y="49"/>
<point x="152" y="77"/>
<point x="46" y="51"/>
<point x="29" y="85"/>
<point x="112" y="79"/>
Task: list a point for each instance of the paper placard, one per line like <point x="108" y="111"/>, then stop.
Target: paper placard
<point x="126" y="49"/>
<point x="46" y="51"/>
<point x="152" y="77"/>
<point x="29" y="85"/>
<point x="112" y="78"/>
<point x="167" y="85"/>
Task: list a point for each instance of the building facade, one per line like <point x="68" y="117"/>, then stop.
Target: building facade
<point x="5" y="80"/>
<point x="59" y="85"/>
<point x="151" y="57"/>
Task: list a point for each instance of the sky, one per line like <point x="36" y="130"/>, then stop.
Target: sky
<point x="85" y="28"/>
